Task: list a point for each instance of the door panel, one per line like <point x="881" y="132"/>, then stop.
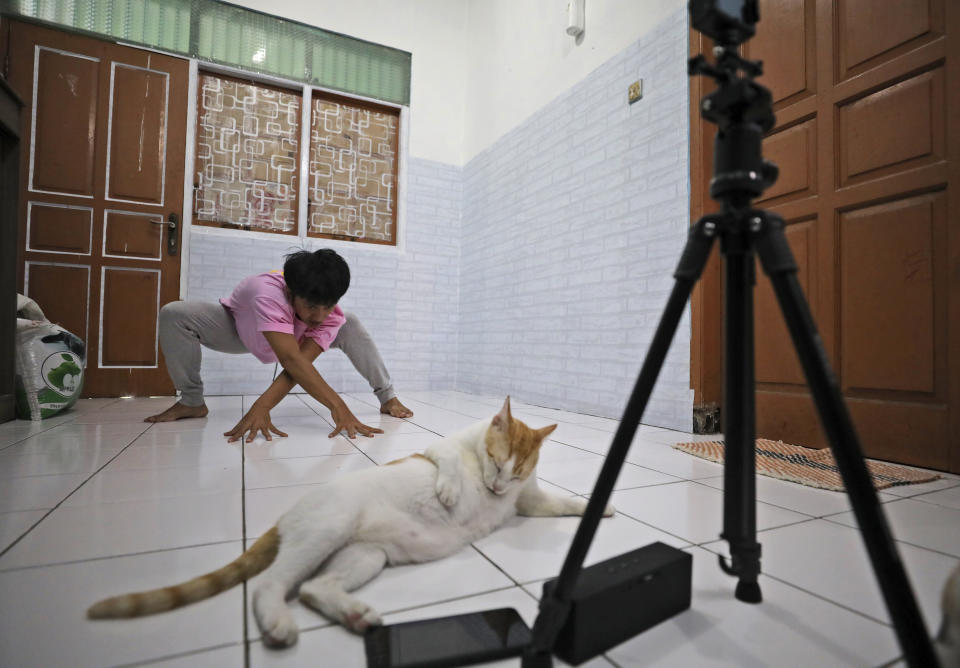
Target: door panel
<point x="794" y="151"/>
<point x="128" y="317"/>
<point x="138" y="134"/>
<point x="62" y="290"/>
<point x="108" y="132"/>
<point x="909" y="115"/>
<point x="868" y="120"/>
<point x="887" y="295"/>
<point x="133" y="235"/>
<point x="870" y="34"/>
<point x="788" y="40"/>
<point x="59" y="228"/>
<point x="62" y="138"/>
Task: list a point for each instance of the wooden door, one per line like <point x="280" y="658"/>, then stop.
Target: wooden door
<point x="101" y="178"/>
<point x="866" y="139"/>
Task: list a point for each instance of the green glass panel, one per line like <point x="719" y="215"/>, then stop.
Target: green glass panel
<point x="238" y="37"/>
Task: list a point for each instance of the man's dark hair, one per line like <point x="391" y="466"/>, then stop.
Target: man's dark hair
<point x="321" y="277"/>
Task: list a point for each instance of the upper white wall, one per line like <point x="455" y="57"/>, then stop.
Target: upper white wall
<point x="519" y="56"/>
<point x="480" y="67"/>
<point x="432" y="30"/>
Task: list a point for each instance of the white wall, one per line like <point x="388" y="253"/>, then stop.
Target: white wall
<point x="519" y="56"/>
<point x="480" y="67"/>
<point x="431" y="30"/>
<point x="572" y="226"/>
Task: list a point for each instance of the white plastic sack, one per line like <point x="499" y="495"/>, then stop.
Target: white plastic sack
<point x="27" y="308"/>
<point x="49" y="364"/>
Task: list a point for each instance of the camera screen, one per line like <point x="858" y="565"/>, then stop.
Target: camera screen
<point x="732" y="8"/>
<point x="450" y="640"/>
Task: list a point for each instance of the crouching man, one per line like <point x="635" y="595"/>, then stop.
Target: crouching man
<point x="288" y="318"/>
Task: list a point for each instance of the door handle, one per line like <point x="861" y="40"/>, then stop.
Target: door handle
<point x="172" y="223"/>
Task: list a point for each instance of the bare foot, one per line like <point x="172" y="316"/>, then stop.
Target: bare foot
<point x="178" y="412"/>
<point x="396" y="409"/>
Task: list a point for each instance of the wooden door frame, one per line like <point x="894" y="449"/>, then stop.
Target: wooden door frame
<point x="10" y="149"/>
<point x="706" y="336"/>
<point x="173" y="191"/>
<point x="952" y="92"/>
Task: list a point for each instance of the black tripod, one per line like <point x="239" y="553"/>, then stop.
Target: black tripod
<point x="742" y="110"/>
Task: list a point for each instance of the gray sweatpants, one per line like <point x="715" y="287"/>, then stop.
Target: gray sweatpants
<point x="185" y="326"/>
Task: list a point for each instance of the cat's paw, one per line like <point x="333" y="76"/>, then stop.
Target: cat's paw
<point x="360" y="618"/>
<point x="609" y="511"/>
<point x="279" y="630"/>
<point x="448" y="490"/>
<point x="273" y="616"/>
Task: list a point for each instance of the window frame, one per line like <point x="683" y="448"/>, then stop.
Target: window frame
<point x="302" y="240"/>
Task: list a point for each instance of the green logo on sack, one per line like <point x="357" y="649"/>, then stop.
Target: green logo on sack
<point x="62" y="372"/>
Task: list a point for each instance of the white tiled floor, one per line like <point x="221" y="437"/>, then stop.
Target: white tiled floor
<point x="96" y="502"/>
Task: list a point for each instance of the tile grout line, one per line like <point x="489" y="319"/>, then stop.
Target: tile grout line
<point x="450" y="410"/>
<point x="432" y="431"/>
<point x="823" y="598"/>
<point x="178" y="655"/>
<point x="793" y="585"/>
<point x="42" y="431"/>
<point x="767" y="503"/>
<point x="610" y="434"/>
<point x="495" y="565"/>
<point x="797" y="587"/>
<point x="826" y="518"/>
<point x="9" y="547"/>
<point x="895" y="539"/>
<point x="243" y="529"/>
<point x="114" y="556"/>
<point x="444" y="601"/>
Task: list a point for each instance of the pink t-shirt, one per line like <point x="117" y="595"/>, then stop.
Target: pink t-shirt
<point x="259" y="304"/>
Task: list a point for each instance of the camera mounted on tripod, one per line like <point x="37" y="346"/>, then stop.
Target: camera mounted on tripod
<point x="727" y="22"/>
<point x="741" y="108"/>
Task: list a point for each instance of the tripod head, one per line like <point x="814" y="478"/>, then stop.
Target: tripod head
<point x="728" y="22"/>
<point x="741" y="108"/>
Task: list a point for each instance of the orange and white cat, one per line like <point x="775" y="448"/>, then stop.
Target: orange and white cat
<point x="413" y="510"/>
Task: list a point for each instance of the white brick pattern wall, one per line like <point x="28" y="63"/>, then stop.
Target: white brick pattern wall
<point x="573" y="224"/>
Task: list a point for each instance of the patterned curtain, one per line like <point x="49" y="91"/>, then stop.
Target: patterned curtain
<point x="353" y="171"/>
<point x="248" y="155"/>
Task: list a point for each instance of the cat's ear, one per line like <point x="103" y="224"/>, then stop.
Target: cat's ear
<point x="543" y="432"/>
<point x="502" y="419"/>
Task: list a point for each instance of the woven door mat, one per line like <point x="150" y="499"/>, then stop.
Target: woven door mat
<point x="808" y="466"/>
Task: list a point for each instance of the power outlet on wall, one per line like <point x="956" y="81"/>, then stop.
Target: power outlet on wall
<point x="635" y="91"/>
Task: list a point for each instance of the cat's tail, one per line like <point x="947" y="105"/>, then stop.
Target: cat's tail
<point x="260" y="555"/>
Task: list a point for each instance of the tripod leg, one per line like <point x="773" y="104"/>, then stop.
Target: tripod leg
<point x="739" y="468"/>
<point x="888" y="568"/>
<point x="555" y="608"/>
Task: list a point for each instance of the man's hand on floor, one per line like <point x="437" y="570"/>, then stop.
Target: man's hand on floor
<point x="344" y="420"/>
<point x="254" y="421"/>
